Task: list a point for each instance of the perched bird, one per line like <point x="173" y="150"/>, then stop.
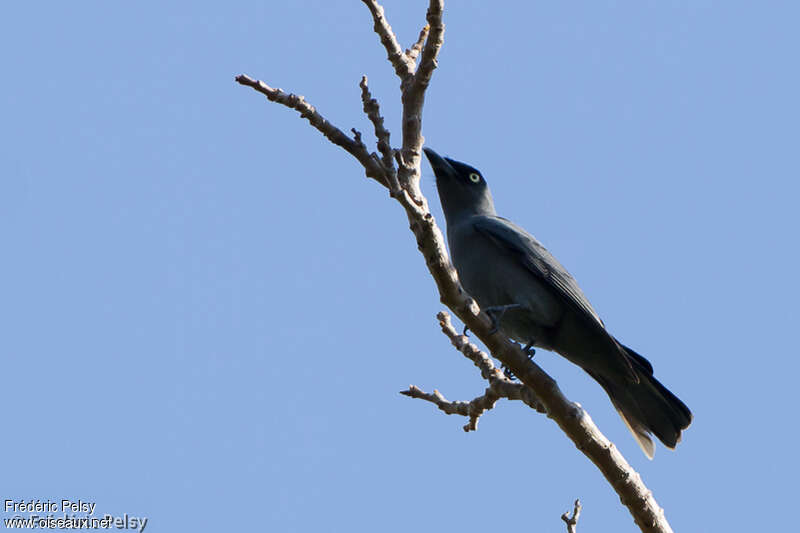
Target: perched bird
<point x="533" y="300"/>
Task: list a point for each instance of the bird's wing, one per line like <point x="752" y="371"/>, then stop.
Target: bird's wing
<point x="520" y="244"/>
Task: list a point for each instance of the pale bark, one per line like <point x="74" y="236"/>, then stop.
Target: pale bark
<point x="399" y="171"/>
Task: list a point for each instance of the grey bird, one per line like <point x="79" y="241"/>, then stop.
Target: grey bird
<point x="533" y="300"/>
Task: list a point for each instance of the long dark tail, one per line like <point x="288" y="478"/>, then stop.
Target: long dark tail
<point x="647" y="407"/>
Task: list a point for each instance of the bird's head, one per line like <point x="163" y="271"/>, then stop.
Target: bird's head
<point x="462" y="189"/>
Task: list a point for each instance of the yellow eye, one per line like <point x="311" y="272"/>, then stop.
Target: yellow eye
<point x="474" y="178"/>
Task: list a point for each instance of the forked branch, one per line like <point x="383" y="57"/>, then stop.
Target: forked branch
<point x="572" y="521"/>
<point x="403" y="184"/>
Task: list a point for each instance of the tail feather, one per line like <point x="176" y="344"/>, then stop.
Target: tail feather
<point x="647" y="407"/>
<point x="639" y="433"/>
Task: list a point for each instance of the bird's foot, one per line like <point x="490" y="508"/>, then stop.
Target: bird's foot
<point x="507" y="371"/>
<point x="529" y="351"/>
<point x="499" y="311"/>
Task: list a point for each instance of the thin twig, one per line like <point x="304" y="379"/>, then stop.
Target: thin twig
<point x="414" y="51"/>
<point x="433" y="43"/>
<point x="373" y="111"/>
<point x="499" y="385"/>
<point x="472" y="409"/>
<point x="307" y="111"/>
<point x="414" y="99"/>
<point x="572" y="522"/>
<point x="402" y="63"/>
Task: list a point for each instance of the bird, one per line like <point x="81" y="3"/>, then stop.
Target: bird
<point x="533" y="300"/>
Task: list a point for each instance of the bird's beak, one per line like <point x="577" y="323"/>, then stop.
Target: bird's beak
<point x="439" y="164"/>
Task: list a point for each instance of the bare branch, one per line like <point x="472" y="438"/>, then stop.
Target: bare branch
<point x="414" y="51"/>
<point x="433" y="43"/>
<point x="572" y="523"/>
<point x="357" y="139"/>
<point x="355" y="147"/>
<point x="402" y="63"/>
<point x="414" y="99"/>
<point x="373" y="111"/>
<point x="498" y="382"/>
<point x="472" y="409"/>
<point x="499" y="385"/>
<point x="570" y="417"/>
<point x="413" y="84"/>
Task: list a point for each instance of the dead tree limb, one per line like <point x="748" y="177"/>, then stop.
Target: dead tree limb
<point x="500" y="386"/>
<point x="403" y="185"/>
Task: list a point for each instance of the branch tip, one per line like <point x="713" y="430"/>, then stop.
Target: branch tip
<point x="373" y="111"/>
<point x="572" y="522"/>
<point x="403" y="66"/>
<point x="413" y="88"/>
<point x="307" y="111"/>
<point x="414" y="51"/>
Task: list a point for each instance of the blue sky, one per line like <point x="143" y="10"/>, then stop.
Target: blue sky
<point x="209" y="311"/>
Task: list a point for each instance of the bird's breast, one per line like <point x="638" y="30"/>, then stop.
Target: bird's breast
<point x="495" y="278"/>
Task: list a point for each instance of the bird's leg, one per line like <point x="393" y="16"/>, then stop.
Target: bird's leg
<point x="501" y="309"/>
